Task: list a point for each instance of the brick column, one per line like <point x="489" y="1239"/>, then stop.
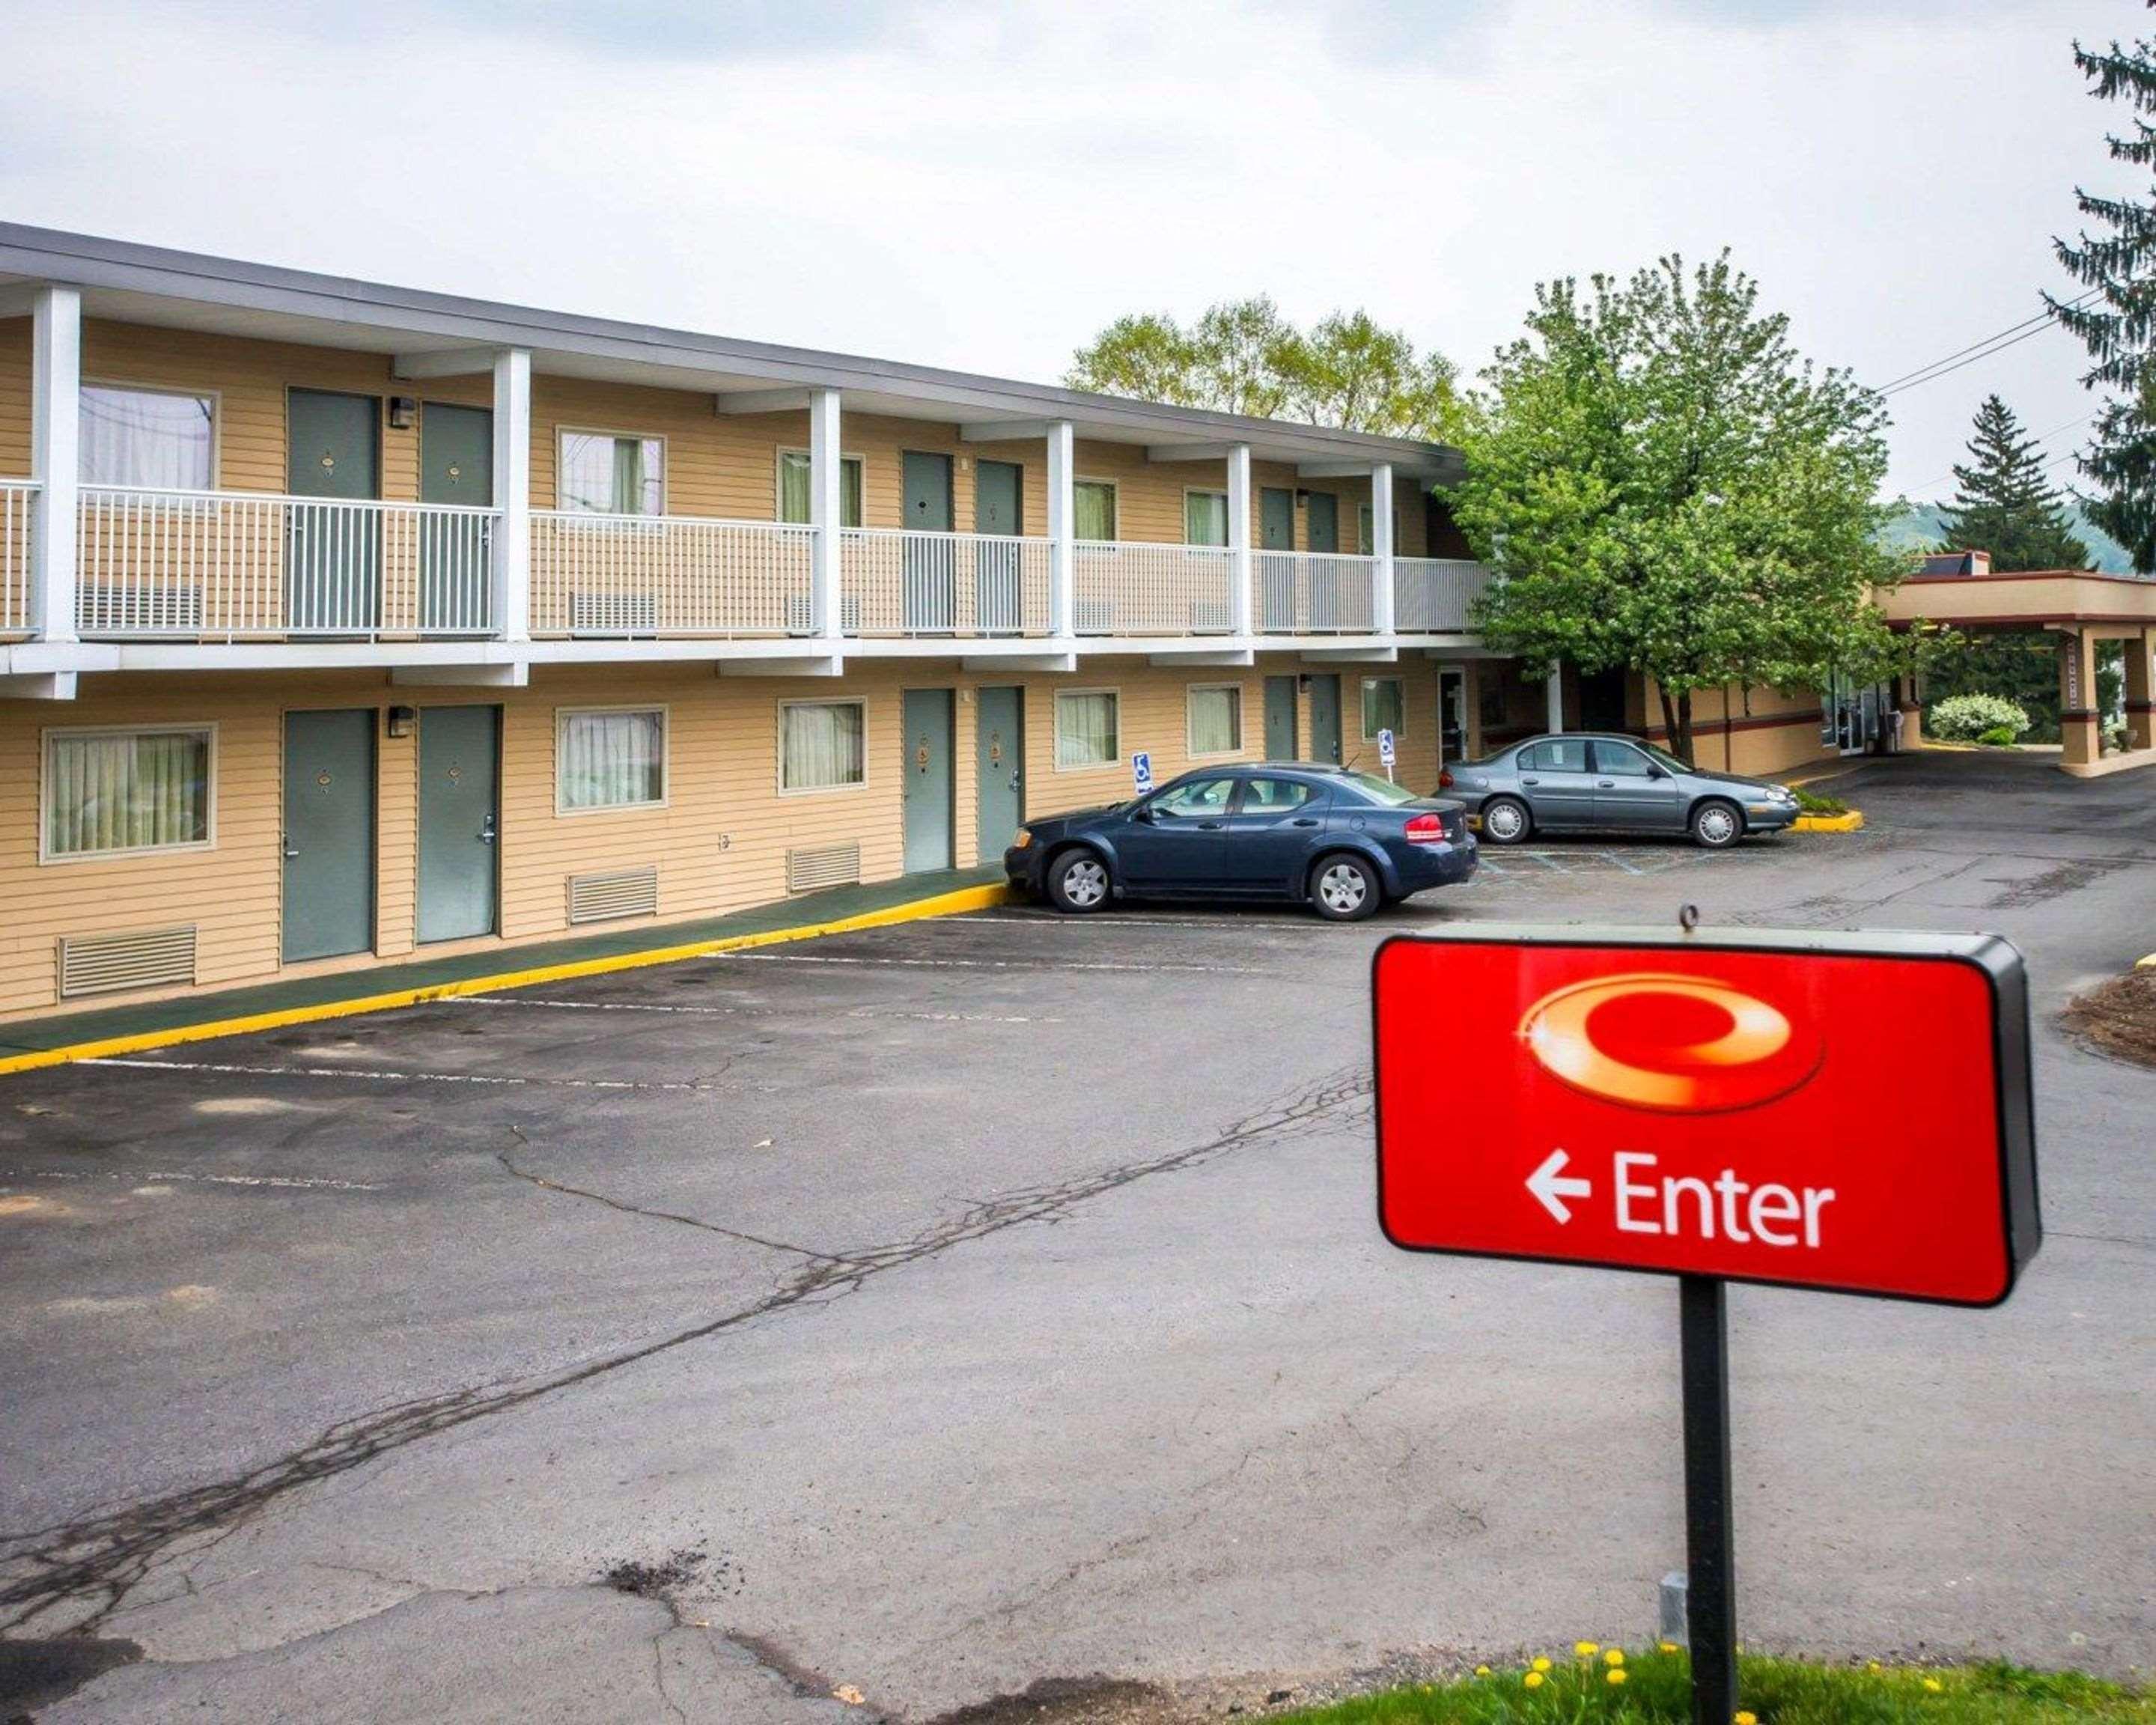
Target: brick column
<point x="2140" y="711"/>
<point x="2081" y="729"/>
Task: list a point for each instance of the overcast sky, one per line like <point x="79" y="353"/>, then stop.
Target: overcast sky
<point x="983" y="186"/>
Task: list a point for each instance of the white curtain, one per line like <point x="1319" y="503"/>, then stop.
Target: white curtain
<point x="1216" y="722"/>
<point x="613" y="760"/>
<point x="611" y="476"/>
<point x="1085" y="730"/>
<point x="1204" y="518"/>
<point x="820" y="745"/>
<point x="145" y="437"/>
<point x="126" y="791"/>
<point x="793" y="489"/>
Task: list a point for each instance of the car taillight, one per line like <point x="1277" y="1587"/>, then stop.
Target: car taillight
<point x="1445" y="779"/>
<point x="1426" y="829"/>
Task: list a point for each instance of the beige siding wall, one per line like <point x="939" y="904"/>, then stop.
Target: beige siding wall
<point x="719" y="844"/>
<point x="14" y="398"/>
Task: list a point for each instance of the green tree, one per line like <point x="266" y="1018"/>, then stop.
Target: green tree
<point x="1242" y="356"/>
<point x="1660" y="483"/>
<point x="2002" y="504"/>
<point x="2115" y="318"/>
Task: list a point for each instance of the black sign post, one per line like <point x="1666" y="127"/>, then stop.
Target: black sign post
<point x="1710" y="1519"/>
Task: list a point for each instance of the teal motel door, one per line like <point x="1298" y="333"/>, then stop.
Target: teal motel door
<point x="456" y="551"/>
<point x="1000" y="772"/>
<point x="1321" y="523"/>
<point x="1280" y="719"/>
<point x="931" y="591"/>
<point x="929" y="806"/>
<point x="328" y="907"/>
<point x="999" y="593"/>
<point x="1277" y="532"/>
<point x="332" y="548"/>
<point x="459" y="769"/>
<point x="1325" y="719"/>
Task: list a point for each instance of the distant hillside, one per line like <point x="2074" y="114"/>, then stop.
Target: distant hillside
<point x="1918" y="527"/>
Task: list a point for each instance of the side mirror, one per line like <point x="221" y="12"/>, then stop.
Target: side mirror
<point x="1145" y="814"/>
<point x="1654" y="772"/>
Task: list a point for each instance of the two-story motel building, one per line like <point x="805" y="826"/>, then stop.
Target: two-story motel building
<point x="341" y="623"/>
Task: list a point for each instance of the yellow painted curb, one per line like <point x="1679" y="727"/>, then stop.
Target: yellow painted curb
<point x="946" y="904"/>
<point x="1848" y="822"/>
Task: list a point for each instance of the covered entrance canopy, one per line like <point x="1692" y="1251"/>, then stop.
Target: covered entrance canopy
<point x="2082" y="607"/>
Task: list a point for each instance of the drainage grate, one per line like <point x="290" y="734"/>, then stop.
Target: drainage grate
<point x="625" y="892"/>
<point x="829" y="866"/>
<point x="107" y="963"/>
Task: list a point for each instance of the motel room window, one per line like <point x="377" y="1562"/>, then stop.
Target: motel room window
<point x="611" y="758"/>
<point x="1204" y="518"/>
<point x="1216" y="719"/>
<point x="152" y="439"/>
<point x="604" y="474"/>
<point x="1384" y="707"/>
<point x="1093" y="509"/>
<point x="820" y="745"/>
<point x="1086" y="723"/>
<point x="1366" y="531"/>
<point x="793" y="488"/>
<point x="114" y="793"/>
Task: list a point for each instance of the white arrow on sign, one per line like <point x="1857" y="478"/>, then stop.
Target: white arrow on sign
<point x="1550" y="1187"/>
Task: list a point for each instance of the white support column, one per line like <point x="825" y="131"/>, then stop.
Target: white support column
<point x="1555" y="687"/>
<point x="1239" y="540"/>
<point x="512" y="494"/>
<point x="1381" y="543"/>
<point x="55" y="457"/>
<point x="826" y="515"/>
<point x="1062" y="529"/>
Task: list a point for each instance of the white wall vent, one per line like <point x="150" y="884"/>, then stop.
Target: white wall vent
<point x="826" y="865"/>
<point x="613" y="613"/>
<point x="107" y="963"/>
<point x="622" y="892"/>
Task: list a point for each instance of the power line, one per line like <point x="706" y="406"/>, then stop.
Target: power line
<point x="2038" y="319"/>
<point x="1942" y="368"/>
<point x="2038" y="439"/>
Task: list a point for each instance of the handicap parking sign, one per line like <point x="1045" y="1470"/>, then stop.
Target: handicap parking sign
<point x="1385" y="749"/>
<point x="1141" y="772"/>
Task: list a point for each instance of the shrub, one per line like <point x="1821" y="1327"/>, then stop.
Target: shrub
<point x="1964" y="717"/>
<point x="1998" y="736"/>
<point x="1811" y="802"/>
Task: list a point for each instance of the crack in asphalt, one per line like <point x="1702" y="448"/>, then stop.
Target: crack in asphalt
<point x="93" y="1562"/>
<point x="628" y="1208"/>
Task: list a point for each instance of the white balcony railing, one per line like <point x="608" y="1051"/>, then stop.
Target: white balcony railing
<point x="1303" y="593"/>
<point x="231" y="565"/>
<point x="899" y="583"/>
<point x="17" y="501"/>
<point x="668" y="575"/>
<point x="1432" y="595"/>
<point x="1120" y="588"/>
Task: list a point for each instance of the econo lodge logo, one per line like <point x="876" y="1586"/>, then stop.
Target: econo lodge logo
<point x="1686" y="1044"/>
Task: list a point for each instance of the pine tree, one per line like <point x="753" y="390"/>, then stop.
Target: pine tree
<point x="2116" y="319"/>
<point x="2002" y="504"/>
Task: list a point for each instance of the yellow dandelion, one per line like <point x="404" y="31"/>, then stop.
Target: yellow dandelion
<point x="1873" y="1665"/>
<point x="1587" y="1650"/>
<point x="1933" y="1686"/>
<point x="1533" y="1680"/>
<point x="1541" y="1664"/>
<point x="1666" y="1646"/>
<point x="1616" y="1674"/>
<point x="1481" y="1671"/>
<point x="1743" y="1718"/>
<point x="1615" y="1655"/>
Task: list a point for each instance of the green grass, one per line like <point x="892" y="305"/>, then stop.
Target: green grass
<point x="1656" y="1691"/>
<point x="1812" y="803"/>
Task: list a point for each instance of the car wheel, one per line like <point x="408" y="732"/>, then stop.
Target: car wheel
<point x="1506" y="820"/>
<point x="1717" y="826"/>
<point x="1078" y="881"/>
<point x="1345" y="889"/>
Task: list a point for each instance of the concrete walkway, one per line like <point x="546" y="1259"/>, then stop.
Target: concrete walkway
<point x="496" y="967"/>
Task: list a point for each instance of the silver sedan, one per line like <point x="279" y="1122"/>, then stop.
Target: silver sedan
<point x="1577" y="781"/>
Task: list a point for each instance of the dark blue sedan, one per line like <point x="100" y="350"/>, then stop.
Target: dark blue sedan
<point x="1345" y="841"/>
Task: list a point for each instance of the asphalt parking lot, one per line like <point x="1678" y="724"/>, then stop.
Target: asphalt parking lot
<point x="929" y="1312"/>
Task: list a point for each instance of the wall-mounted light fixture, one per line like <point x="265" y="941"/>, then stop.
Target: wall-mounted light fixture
<point x="399" y="720"/>
<point x="403" y="412"/>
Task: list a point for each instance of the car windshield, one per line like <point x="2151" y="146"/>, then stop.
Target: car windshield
<point x="1668" y="759"/>
<point x="1381" y="790"/>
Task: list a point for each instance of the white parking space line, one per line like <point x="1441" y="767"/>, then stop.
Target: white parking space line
<point x="504" y="1080"/>
<point x="986" y="964"/>
<point x="162" y="1177"/>
<point x="597" y="1005"/>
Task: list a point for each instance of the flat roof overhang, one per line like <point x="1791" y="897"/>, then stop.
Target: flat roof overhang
<point x="2056" y="597"/>
<point x="162" y="287"/>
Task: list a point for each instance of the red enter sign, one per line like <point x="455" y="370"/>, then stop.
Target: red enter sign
<point x="1846" y="1111"/>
